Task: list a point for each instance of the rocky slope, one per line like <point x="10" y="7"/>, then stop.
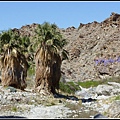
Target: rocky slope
<point x="93" y="41"/>
<point x="87" y="43"/>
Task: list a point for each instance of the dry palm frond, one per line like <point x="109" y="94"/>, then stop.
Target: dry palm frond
<point x="46" y="56"/>
<point x="14" y="51"/>
<point x="42" y="56"/>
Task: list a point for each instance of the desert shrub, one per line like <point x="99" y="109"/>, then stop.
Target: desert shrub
<point x="69" y="87"/>
<point x="117" y="97"/>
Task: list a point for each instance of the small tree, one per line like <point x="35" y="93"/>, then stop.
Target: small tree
<point x="13" y="62"/>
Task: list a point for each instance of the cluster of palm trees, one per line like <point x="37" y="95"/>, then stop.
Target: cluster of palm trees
<point x="46" y="52"/>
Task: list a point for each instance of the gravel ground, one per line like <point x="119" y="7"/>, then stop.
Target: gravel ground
<point x="26" y="104"/>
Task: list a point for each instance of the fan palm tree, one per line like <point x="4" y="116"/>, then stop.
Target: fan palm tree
<point x="48" y="58"/>
<point x="13" y="62"/>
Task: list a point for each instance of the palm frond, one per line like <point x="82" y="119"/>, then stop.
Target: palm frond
<point x="65" y="54"/>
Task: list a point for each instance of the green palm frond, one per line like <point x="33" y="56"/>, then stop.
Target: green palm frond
<point x="10" y="39"/>
<point x="49" y="42"/>
<point x="48" y="35"/>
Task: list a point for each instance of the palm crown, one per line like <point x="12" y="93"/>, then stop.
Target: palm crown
<point x="49" y="37"/>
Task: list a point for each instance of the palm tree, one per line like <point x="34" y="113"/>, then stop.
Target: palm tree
<point x="48" y="58"/>
<point x="13" y="62"/>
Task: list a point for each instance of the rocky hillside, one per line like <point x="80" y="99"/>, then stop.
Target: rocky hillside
<point x="90" y="42"/>
<point x="93" y="47"/>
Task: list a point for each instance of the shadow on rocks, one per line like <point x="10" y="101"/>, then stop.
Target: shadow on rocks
<point x="8" y="117"/>
<point x="88" y="100"/>
<point x="57" y="95"/>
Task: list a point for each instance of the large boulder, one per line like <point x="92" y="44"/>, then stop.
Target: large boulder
<point x="104" y="90"/>
<point x="112" y="88"/>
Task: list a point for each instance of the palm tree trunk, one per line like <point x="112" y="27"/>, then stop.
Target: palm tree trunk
<point x="48" y="71"/>
<point x="44" y="72"/>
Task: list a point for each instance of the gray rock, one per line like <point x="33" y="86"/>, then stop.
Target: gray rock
<point x="99" y="115"/>
<point x="104" y="89"/>
<point x="112" y="88"/>
<point x="114" y="84"/>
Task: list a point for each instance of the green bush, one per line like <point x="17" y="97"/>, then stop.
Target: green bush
<point x="72" y="87"/>
<point x="69" y="87"/>
<point x="88" y="84"/>
<point x="14" y="109"/>
<point x="117" y="97"/>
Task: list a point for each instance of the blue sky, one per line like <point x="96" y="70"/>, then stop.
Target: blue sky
<point x="63" y="13"/>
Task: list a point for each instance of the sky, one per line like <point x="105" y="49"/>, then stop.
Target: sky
<point x="15" y="14"/>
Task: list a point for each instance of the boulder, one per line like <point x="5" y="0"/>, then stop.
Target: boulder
<point x="104" y="89"/>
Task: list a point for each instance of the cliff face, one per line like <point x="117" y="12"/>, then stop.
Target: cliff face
<point x="86" y="44"/>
